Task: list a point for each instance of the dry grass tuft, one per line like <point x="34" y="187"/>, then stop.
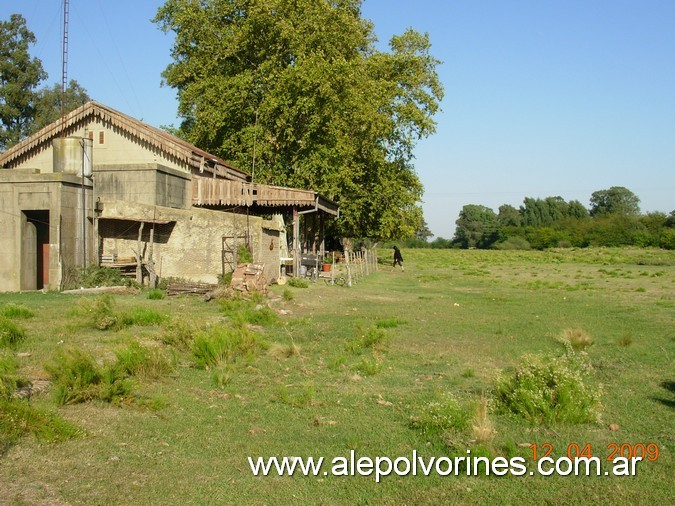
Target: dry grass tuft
<point x="579" y="339"/>
<point x="482" y="427"/>
<point x="283" y="351"/>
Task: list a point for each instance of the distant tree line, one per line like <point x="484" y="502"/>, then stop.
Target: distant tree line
<point x="613" y="219"/>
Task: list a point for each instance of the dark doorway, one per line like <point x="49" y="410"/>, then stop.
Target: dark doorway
<point x="35" y="250"/>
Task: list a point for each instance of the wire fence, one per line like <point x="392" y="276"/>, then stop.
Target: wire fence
<point x="353" y="267"/>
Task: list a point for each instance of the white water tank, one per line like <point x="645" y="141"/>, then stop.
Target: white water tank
<point x="73" y="155"/>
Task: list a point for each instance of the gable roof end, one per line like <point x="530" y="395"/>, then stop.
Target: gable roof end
<point x="154" y="137"/>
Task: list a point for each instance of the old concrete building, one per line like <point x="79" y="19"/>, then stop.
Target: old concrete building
<point x="101" y="187"/>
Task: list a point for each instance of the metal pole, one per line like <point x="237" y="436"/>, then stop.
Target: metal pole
<point x="84" y="211"/>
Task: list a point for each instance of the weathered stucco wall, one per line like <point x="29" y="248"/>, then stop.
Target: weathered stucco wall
<point x="188" y="243"/>
<point x="41" y="219"/>
<point x="148" y="183"/>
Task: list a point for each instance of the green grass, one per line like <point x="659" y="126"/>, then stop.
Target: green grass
<point x="399" y="362"/>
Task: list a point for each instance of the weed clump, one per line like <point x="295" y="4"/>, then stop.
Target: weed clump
<point x="156" y="294"/>
<point x="389" y="324"/>
<point x="98" y="311"/>
<point x="440" y="416"/>
<point x="18" y="419"/>
<point x="142" y="316"/>
<point x="78" y="378"/>
<point x="373" y="338"/>
<point x="242" y="311"/>
<point x="368" y="366"/>
<point x="9" y="380"/>
<point x="16" y="312"/>
<point x="547" y="390"/>
<point x="138" y="360"/>
<point x="224" y="345"/>
<point x="298" y="283"/>
<point x="101" y="313"/>
<point x="11" y="334"/>
<point x="298" y="397"/>
<point x="179" y="333"/>
<point x="579" y="339"/>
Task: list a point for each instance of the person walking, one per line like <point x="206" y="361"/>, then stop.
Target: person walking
<point x="398" y="258"/>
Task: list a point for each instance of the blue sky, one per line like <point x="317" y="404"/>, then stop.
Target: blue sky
<point x="542" y="98"/>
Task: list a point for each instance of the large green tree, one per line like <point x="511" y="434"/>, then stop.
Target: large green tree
<point x="20" y="75"/>
<point x="295" y="91"/>
<point x="476" y="226"/>
<point x="615" y="200"/>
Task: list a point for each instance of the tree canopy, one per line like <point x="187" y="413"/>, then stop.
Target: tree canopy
<point x="615" y="200"/>
<point x="25" y="109"/>
<point x="614" y="220"/>
<point x="19" y="77"/>
<point x="296" y="92"/>
<point x="48" y="102"/>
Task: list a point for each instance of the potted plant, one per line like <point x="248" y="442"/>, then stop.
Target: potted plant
<point x="326" y="264"/>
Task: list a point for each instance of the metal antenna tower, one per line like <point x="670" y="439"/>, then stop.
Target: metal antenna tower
<point x="64" y="66"/>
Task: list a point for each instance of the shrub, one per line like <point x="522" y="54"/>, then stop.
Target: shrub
<point x="16" y="311"/>
<point x="244" y="255"/>
<point x="513" y="243"/>
<point x="549" y="390"/>
<point x="94" y="275"/>
<point x="298" y="283"/>
<point x="11" y="334"/>
<point x="288" y="295"/>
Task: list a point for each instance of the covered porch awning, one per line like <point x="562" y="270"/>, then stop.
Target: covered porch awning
<point x="210" y="192"/>
<point x="222" y="193"/>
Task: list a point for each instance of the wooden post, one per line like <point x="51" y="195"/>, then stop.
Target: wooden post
<point x="150" y="265"/>
<point x="349" y="270"/>
<point x="332" y="270"/>
<point x="297" y="256"/>
<point x="139" y="257"/>
<point x="365" y="253"/>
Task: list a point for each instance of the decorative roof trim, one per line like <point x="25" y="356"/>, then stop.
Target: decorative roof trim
<point x="154" y="137"/>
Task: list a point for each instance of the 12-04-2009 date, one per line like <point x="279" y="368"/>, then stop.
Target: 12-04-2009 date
<point x="649" y="451"/>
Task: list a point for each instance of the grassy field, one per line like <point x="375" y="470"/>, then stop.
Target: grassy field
<point x="401" y="362"/>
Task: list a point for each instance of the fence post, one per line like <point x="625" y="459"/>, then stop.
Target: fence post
<point x="349" y="270"/>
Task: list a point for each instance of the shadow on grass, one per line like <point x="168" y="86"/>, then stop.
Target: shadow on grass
<point x="670" y="387"/>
